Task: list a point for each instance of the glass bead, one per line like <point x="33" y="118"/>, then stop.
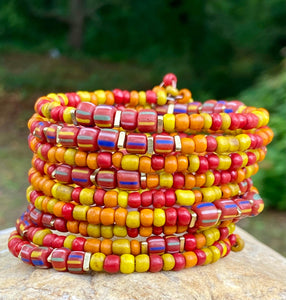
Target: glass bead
<point x="142" y="263"/>
<point x="121" y="246"/>
<point x="67" y="136"/>
<point x="207" y="214"/>
<point x="128" y="180"/>
<point x="107" y="139"/>
<point x="136" y="143"/>
<point x="75" y="262"/>
<point x="97" y="262"/>
<point x="147" y="120"/>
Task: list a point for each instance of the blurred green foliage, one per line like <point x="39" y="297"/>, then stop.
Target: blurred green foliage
<point x="218" y="49"/>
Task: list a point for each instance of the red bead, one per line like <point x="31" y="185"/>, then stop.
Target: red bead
<point x="68" y="136"/>
<point x="213" y="161"/>
<point x="163" y="144"/>
<point x="81" y="176"/>
<point x="193" y="108"/>
<point x="224" y="232"/>
<point x="98" y="197"/>
<point x="87" y="139"/>
<point x="128" y="180"/>
<point x="156" y="263"/>
<point x="204" y="165"/>
<point x="207" y="214"/>
<point x="47" y="220"/>
<point x="170" y="79"/>
<point x="236" y="161"/>
<point x="201" y="255"/>
<point x="147" y="120"/>
<point x="111" y="263"/>
<point x="104" y="160"/>
<point x="235" y="121"/>
<point x="208" y="106"/>
<point x="172" y="244"/>
<point x="245" y="207"/>
<point x="243" y="186"/>
<point x="56" y="112"/>
<point x="78" y="244"/>
<point x="219" y="106"/>
<point x="84" y="113"/>
<point x="132" y="232"/>
<point x="216" y="121"/>
<point x="107" y="139"/>
<point x="253" y="141"/>
<point x="59" y="259"/>
<point x="156" y="245"/>
<point x="106" y="179"/>
<point x="51" y="133"/>
<point x="67" y="211"/>
<point x="184" y="216"/>
<point x="146" y="198"/>
<point x="12" y="244"/>
<point x="157" y="162"/>
<point x="36" y="216"/>
<point x="75" y="194"/>
<point x="170" y="197"/>
<point x="39" y="165"/>
<point x="180" y="261"/>
<point x="128" y="119"/>
<point x="158" y="199"/>
<point x="60" y="225"/>
<point x="58" y="242"/>
<point x="233" y="175"/>
<point x="178" y="180"/>
<point x="233" y="105"/>
<point x="48" y="239"/>
<point x="228" y="209"/>
<point x="251" y="158"/>
<point x="134" y="199"/>
<point x="225" y="177"/>
<point x="136" y="143"/>
<point x="171" y="216"/>
<point x="242" y="120"/>
<point x="103" y="116"/>
<point x="217" y="176"/>
<point x="63" y="173"/>
<point x="151" y="97"/>
<point x="157" y="230"/>
<point x="126" y="97"/>
<point x="211" y="143"/>
<point x="26" y="253"/>
<point x="75" y="262"/>
<point x="252" y="121"/>
<point x="39" y="257"/>
<point x="118" y="96"/>
<point x="190" y="242"/>
<point x="232" y="239"/>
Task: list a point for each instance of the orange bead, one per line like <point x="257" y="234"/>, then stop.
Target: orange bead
<point x="72" y="226"/>
<point x="93" y="98"/>
<point x="146" y="217"/>
<point x="120" y="216"/>
<point x="93" y="215"/>
<point x="196" y="122"/>
<point x="182" y="122"/>
<point x="60" y="153"/>
<point x="109" y="98"/>
<point x="135" y="247"/>
<point x="58" y="208"/>
<point x="181" y="229"/>
<point x="145" y="164"/>
<point x="187" y="95"/>
<point x="92" y="245"/>
<point x="82" y="228"/>
<point x="110" y="199"/>
<point x="190" y="258"/>
<point x="269" y="132"/>
<point x="91" y="161"/>
<point x="171" y="164"/>
<point x="198" y="196"/>
<point x="200" y="180"/>
<point x="255" y="168"/>
<point x="33" y="144"/>
<point x="145" y="231"/>
<point x="226" y="191"/>
<point x="134" y="98"/>
<point x="264" y="137"/>
<point x="262" y="154"/>
<point x="152" y="180"/>
<point x="80" y="158"/>
<point x="225" y="223"/>
<point x="116" y="159"/>
<point x="107" y="216"/>
<point x="190" y="181"/>
<point x="170" y="230"/>
<point x="201" y="240"/>
<point x="200" y="143"/>
<point x="240" y="175"/>
<point x="45" y="203"/>
<point x="188" y="145"/>
<point x="183" y="163"/>
<point x="106" y="246"/>
<point x="52" y="155"/>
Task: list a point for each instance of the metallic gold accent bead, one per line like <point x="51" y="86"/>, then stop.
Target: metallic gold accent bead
<point x="86" y="261"/>
<point x="150" y="148"/>
<point x="182" y="244"/>
<point x="92" y="177"/>
<point x="144" y="247"/>
<point x="121" y="139"/>
<point x="178" y="144"/>
<point x="170" y="108"/>
<point x="160" y="124"/>
<point x="117" y="119"/>
<point x="73" y="117"/>
<point x="194" y="218"/>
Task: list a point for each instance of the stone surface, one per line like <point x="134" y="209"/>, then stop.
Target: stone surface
<point x="257" y="272"/>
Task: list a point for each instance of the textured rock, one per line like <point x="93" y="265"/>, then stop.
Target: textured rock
<point x="257" y="272"/>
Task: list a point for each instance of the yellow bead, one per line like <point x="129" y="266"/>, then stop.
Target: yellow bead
<point x="67" y="115"/>
<point x="122" y="199"/>
<point x="101" y="97"/>
<point x="241" y="109"/>
<point x="39" y="236"/>
<point x="249" y="171"/>
<point x="231" y="228"/>
<point x="216" y="233"/>
<point x="210" y="178"/>
<point x="166" y="180"/>
<point x="133" y="219"/>
<point x="38" y="202"/>
<point x="69" y="156"/>
<point x="244" y="141"/>
<point x="185" y="197"/>
<point x="121" y="246"/>
<point x="168" y="261"/>
<point x="226" y="121"/>
<point x="130" y="162"/>
<point x="97" y="261"/>
<point x="142" y="98"/>
<point x="93" y="230"/>
<point x="120" y="231"/>
<point x="64" y="98"/>
<point x="208" y="121"/>
<point x="84" y="96"/>
<point x="45" y="109"/>
<point x="51" y="204"/>
<point x="244" y="158"/>
<point x="79" y="212"/>
<point x="86" y="196"/>
<point x="68" y="241"/>
<point x="209" y="256"/>
<point x="62" y="192"/>
<point x="217" y="191"/>
<point x="106" y="231"/>
<point x="224" y="162"/>
<point x="159" y="217"/>
<point x="262" y="117"/>
<point x="216" y="253"/>
<point x="161" y="98"/>
<point x="194" y="163"/>
<point x="210" y="238"/>
<point x="222" y="144"/>
<point x="233" y="144"/>
<point x="127" y="263"/>
<point x="142" y="263"/>
<point x="28" y="192"/>
<point x="169" y="122"/>
<point x="172" y="90"/>
<point x="209" y="194"/>
<point x="224" y="248"/>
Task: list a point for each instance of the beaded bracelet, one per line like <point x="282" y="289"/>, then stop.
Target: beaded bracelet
<point x="155" y="180"/>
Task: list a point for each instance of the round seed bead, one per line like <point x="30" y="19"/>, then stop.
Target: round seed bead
<point x="142" y="263"/>
<point x="97" y="262"/>
<point x="111" y="263"/>
<point x="169" y="262"/>
<point x="127" y="263"/>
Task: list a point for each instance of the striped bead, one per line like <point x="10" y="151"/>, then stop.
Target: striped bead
<point x="26" y="253"/>
<point x="63" y="173"/>
<point x="87" y="139"/>
<point x="107" y="139"/>
<point x="75" y="262"/>
<point x="172" y="244"/>
<point x="39" y="257"/>
<point x="106" y="179"/>
<point x="228" y="209"/>
<point x="257" y="205"/>
<point x="193" y="108"/>
<point x="128" y="119"/>
<point x="128" y="180"/>
<point x="136" y="143"/>
<point x="68" y="135"/>
<point x="244" y="206"/>
<point x="207" y="214"/>
<point x="84" y="113"/>
<point x="163" y="144"/>
<point x="156" y="245"/>
<point x="51" y="134"/>
<point x="59" y="259"/>
<point x="103" y="116"/>
<point x="180" y="108"/>
<point x="147" y="120"/>
<point x="81" y="176"/>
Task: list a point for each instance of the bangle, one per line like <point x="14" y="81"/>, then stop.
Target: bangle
<point x="149" y="180"/>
